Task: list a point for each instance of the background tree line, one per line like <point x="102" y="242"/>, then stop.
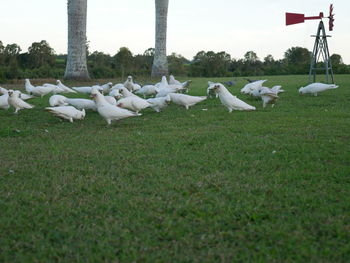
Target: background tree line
<point x="40" y="61"/>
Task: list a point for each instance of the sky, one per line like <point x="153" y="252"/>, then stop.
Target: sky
<point x="193" y="25"/>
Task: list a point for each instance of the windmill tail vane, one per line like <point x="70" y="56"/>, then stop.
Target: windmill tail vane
<point x="296" y="18"/>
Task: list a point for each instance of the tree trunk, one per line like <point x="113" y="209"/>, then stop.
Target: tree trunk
<point x="76" y="67"/>
<point x="160" y="63"/>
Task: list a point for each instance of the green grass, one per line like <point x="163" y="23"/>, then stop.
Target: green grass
<point x="181" y="186"/>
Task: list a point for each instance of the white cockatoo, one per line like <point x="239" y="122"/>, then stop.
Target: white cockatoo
<point x="82" y="103"/>
<point x="133" y="103"/>
<point x="37" y="90"/>
<point x="268" y="96"/>
<point x="277" y="89"/>
<point x="87" y="89"/>
<point x="184" y="85"/>
<point x="4" y="101"/>
<point x="55" y="89"/>
<point x="14" y="100"/>
<point x="231" y="102"/>
<point x="57" y="100"/>
<point x="136" y="87"/>
<point x="111" y="100"/>
<point x="172" y="80"/>
<point x="67" y="112"/>
<point x="24" y="96"/>
<point x="316" y="87"/>
<point x="108" y="111"/>
<point x="248" y="88"/>
<point x="186" y="100"/>
<point x="210" y="90"/>
<point x="126" y="93"/>
<point x="115" y="94"/>
<point x="159" y="103"/>
<point x="147" y="90"/>
<point x="117" y="86"/>
<point x="130" y="85"/>
<point x="161" y="92"/>
<point x="163" y="83"/>
<point x="64" y="87"/>
<point x="107" y="87"/>
<point x="3" y="91"/>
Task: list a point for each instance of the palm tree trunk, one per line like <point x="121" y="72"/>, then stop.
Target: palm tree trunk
<point x="160" y="63"/>
<point x="76" y="67"/>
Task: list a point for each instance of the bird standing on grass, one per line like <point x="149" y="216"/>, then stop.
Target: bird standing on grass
<point x="4" y="101"/>
<point x="15" y="101"/>
<point x="248" y="88"/>
<point x="107" y="111"/>
<point x="268" y="96"/>
<point x="67" y="112"/>
<point x="230" y="101"/>
<point x="37" y="90"/>
<point x="64" y="87"/>
<point x="57" y="100"/>
<point x="133" y="103"/>
<point x="159" y="103"/>
<point x="315" y="88"/>
<point x="186" y="100"/>
<point x="82" y="103"/>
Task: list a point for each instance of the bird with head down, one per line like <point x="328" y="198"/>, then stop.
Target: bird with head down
<point x="67" y="112"/>
<point x="107" y="111"/>
<point x="316" y="87"/>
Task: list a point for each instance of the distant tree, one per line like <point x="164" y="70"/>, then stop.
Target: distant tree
<point x="269" y="60"/>
<point x="269" y="65"/>
<point x="100" y="65"/>
<point x="149" y="52"/>
<point x="11" y="52"/>
<point x="142" y="63"/>
<point x="177" y="64"/>
<point x="298" y="60"/>
<point x="252" y="64"/>
<point x="10" y="55"/>
<point x="76" y="67"/>
<point x="210" y="64"/>
<point x="336" y="59"/>
<point x="338" y="65"/>
<point x="160" y="63"/>
<point x="123" y="61"/>
<point x="40" y="54"/>
<point x="251" y="57"/>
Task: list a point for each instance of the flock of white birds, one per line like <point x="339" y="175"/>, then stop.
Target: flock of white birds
<point x="123" y="99"/>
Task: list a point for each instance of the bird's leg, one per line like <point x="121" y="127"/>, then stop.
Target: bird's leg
<point x="16" y="111"/>
<point x="71" y="120"/>
<point x="315" y="94"/>
<point x="230" y="110"/>
<point x="186" y="107"/>
<point x="273" y="105"/>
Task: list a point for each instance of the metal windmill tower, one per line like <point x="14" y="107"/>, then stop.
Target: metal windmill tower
<point x="320" y="46"/>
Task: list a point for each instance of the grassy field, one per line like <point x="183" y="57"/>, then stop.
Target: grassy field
<point x="180" y="186"/>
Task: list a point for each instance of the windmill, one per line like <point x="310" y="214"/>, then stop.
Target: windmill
<point x="320" y="46"/>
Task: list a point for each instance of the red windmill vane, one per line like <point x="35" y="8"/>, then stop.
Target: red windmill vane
<point x="321" y="45"/>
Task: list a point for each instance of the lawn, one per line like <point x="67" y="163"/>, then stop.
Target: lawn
<point x="181" y="185"/>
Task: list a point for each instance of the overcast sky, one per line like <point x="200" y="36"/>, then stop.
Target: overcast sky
<point x="193" y="25"/>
